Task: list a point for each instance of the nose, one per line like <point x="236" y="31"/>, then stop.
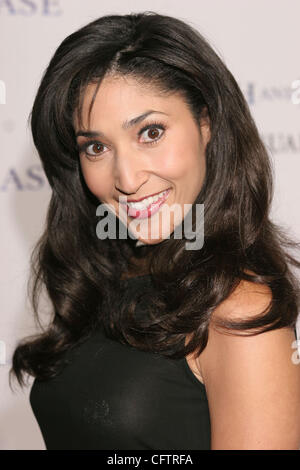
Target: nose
<point x="130" y="172"/>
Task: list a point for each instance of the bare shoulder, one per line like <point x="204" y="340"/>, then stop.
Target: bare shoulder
<point x="246" y="301"/>
<point x="251" y="381"/>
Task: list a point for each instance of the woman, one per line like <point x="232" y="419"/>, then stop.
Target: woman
<point x="156" y="345"/>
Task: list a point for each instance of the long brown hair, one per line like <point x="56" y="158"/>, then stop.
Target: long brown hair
<point x="81" y="273"/>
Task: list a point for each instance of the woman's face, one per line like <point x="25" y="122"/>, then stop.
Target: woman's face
<point x="164" y="150"/>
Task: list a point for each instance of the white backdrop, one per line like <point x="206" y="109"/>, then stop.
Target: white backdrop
<point x="259" y="42"/>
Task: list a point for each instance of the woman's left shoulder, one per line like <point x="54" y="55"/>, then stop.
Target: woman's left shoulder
<point x="247" y="300"/>
<point x="252" y="382"/>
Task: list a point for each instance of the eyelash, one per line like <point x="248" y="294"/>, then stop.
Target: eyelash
<point x="153" y="125"/>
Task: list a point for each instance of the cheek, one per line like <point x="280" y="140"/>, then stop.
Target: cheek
<point x="97" y="183"/>
<point x="182" y="161"/>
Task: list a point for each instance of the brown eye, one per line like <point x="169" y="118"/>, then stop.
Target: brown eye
<point x="97" y="147"/>
<point x="93" y="149"/>
<point x="153" y="133"/>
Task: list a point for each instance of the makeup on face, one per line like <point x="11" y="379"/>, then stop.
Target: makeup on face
<point x="127" y="153"/>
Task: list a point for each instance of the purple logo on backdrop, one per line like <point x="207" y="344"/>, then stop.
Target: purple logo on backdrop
<point x="255" y="93"/>
<point x="32" y="179"/>
<point x="282" y="142"/>
<point x="30" y="7"/>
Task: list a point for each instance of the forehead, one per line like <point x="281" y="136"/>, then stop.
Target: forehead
<point x="123" y="96"/>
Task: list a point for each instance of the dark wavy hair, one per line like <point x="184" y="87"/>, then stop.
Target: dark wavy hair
<point x="81" y="273"/>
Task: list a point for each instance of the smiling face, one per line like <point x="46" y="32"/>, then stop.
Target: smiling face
<point x="159" y="149"/>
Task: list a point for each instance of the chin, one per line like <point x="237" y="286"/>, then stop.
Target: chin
<point x="150" y="242"/>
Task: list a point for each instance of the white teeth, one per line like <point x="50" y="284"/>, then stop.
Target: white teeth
<point x="145" y="203"/>
<point x="136" y="205"/>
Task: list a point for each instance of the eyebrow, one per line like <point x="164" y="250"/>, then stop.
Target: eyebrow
<point x="126" y="124"/>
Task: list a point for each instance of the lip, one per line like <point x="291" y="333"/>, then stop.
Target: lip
<point x="150" y="210"/>
<point x="145" y="197"/>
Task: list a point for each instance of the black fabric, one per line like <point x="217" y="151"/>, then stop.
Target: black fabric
<point x="113" y="396"/>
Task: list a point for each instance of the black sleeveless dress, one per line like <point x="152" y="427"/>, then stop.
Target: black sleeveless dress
<point x="113" y="396"/>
